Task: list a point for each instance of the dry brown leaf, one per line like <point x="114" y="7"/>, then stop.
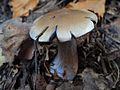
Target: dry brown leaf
<point x="98" y="6"/>
<point x="22" y="7"/>
<point x="13" y="33"/>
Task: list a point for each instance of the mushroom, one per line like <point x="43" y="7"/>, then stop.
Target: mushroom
<point x="66" y="25"/>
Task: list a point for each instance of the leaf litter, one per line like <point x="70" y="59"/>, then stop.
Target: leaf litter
<point x="98" y="54"/>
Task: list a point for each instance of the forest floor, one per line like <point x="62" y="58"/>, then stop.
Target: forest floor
<point x="99" y="55"/>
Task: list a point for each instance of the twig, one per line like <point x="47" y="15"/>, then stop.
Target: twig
<point x="46" y="68"/>
<point x="118" y="74"/>
<point x="103" y="65"/>
<point x="36" y="49"/>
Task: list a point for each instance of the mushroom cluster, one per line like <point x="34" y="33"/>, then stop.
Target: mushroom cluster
<point x="65" y="25"/>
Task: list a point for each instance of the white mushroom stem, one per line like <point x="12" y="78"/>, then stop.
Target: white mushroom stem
<point x="66" y="61"/>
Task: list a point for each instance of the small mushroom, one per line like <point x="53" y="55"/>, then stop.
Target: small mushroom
<point x="66" y="25"/>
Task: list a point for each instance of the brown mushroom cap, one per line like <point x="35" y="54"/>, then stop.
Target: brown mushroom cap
<point x="64" y="23"/>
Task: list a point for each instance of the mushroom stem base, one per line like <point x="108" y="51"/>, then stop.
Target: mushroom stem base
<point x="66" y="61"/>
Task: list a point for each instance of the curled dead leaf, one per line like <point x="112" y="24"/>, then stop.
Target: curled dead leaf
<point x="98" y="6"/>
<point x="13" y="33"/>
<point x="22" y="7"/>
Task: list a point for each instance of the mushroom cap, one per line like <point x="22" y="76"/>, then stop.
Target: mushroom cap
<point x="63" y="22"/>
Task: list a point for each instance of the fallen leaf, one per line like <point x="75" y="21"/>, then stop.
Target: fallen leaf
<point x="50" y="87"/>
<point x="98" y="6"/>
<point x="115" y="26"/>
<point x="2" y="58"/>
<point x="93" y="80"/>
<point x="22" y="7"/>
<point x="26" y="87"/>
<point x="26" y="51"/>
<point x="69" y="86"/>
<point x="40" y="83"/>
<point x="13" y="33"/>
